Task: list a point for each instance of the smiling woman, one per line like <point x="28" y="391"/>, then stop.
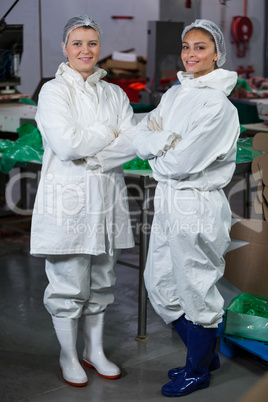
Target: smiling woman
<point x="81" y="204"/>
<point x="199" y="54"/>
<point x="82" y="49"/>
<point x="190" y="142"/>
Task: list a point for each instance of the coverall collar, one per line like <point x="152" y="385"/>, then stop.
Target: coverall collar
<point x="68" y="72"/>
<point x="219" y="79"/>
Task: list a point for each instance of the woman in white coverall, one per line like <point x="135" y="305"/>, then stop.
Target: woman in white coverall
<point x="190" y="141"/>
<point x="81" y="217"/>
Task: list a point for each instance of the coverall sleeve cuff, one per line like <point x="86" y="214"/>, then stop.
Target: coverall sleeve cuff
<point x="92" y="163"/>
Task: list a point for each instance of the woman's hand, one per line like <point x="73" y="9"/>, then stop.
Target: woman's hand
<point x="155" y="124"/>
<point x="175" y="141"/>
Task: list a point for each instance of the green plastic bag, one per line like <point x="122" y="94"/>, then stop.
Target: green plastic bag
<point x="245" y="152"/>
<point x="27" y="148"/>
<point x="247" y="317"/>
<point x="137" y="164"/>
<point x="242" y="84"/>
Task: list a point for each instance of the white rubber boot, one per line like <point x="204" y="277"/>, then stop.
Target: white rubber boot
<point x="72" y="371"/>
<point x="93" y="355"/>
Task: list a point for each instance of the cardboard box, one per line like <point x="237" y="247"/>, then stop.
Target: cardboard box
<point x="259" y="168"/>
<point x="247" y="265"/>
<point x="260" y="142"/>
<point x="265" y="193"/>
<point x="124" y="56"/>
<point x="247" y="256"/>
<point x="125" y="68"/>
<point x="123" y="65"/>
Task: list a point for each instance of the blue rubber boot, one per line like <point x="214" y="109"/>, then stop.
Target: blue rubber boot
<point x="181" y="327"/>
<point x="195" y="375"/>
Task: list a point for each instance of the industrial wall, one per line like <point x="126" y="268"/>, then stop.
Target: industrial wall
<point x="223" y="16"/>
<point x="122" y="34"/>
<point x="117" y="34"/>
<point x="222" y="13"/>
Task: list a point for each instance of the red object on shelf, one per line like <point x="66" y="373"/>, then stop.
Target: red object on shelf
<point x="241" y="71"/>
<point x="122" y="17"/>
<point x="132" y="93"/>
<point x="13" y="96"/>
<point x="138" y="86"/>
<point x="250" y="71"/>
<point x="132" y="87"/>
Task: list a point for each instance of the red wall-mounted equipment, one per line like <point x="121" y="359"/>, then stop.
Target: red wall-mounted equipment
<point x="242" y="30"/>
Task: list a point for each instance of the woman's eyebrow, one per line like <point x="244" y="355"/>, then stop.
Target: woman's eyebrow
<point x="80" y="40"/>
<point x="195" y="43"/>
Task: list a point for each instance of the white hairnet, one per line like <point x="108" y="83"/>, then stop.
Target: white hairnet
<point x="78" y="22"/>
<point x="215" y="32"/>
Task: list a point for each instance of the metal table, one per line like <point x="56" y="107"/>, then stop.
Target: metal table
<point x="141" y="186"/>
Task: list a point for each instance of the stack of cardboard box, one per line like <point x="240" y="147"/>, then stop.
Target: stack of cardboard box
<point x="247" y="257"/>
<point x="124" y="65"/>
<point x="260" y="174"/>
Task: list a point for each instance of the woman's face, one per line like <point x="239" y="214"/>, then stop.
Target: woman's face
<point x="82" y="50"/>
<point x="198" y="53"/>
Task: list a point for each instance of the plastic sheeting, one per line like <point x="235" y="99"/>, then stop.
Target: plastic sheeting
<point x="247" y="317"/>
<point x="245" y="152"/>
<point x="137" y="164"/>
<point x="27" y="148"/>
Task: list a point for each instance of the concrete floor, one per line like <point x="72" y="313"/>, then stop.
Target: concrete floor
<point x="29" y="351"/>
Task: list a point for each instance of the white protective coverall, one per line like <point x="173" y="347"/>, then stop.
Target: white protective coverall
<point x="192" y="217"/>
<point x="79" y="211"/>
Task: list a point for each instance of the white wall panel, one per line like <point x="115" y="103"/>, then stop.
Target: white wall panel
<point x="123" y="34"/>
<point x="117" y="34"/>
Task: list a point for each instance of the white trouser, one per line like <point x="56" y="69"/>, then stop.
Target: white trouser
<point x="79" y="284"/>
<point x="189" y="236"/>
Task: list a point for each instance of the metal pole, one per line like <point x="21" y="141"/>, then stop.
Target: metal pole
<point x="144" y="243"/>
<point x="266" y="40"/>
<point x="40" y="41"/>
